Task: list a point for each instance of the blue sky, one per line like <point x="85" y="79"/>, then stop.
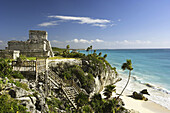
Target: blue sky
<point x="108" y="24"/>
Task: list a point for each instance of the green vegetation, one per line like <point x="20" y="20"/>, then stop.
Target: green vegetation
<point x="22" y="58"/>
<point x="96" y="64"/>
<point x="71" y="72"/>
<point x="73" y="55"/>
<point x="114" y="68"/>
<point x="6" y="70"/>
<point x="58" y="49"/>
<point x="21" y="85"/>
<point x="54" y="103"/>
<point x="9" y="105"/>
<point x="81" y="100"/>
<point x="108" y="90"/>
<point x="31" y="58"/>
<point x="98" y="105"/>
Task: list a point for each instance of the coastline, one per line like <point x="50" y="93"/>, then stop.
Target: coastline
<point x="139" y="105"/>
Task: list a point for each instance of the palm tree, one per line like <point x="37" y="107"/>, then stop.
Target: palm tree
<point x="67" y="47"/>
<point x="105" y="56"/>
<point x="91" y="48"/>
<point x="88" y="49"/>
<point x="128" y="66"/>
<point x="95" y="51"/>
<point x="108" y="90"/>
<point x="100" y="53"/>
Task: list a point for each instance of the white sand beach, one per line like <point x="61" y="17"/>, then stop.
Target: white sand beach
<point x="139" y="105"/>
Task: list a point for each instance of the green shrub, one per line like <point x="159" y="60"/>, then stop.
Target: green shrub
<point x="81" y="99"/>
<point x="5" y="68"/>
<point x="114" y="68"/>
<point x="21" y="85"/>
<point x="9" y="105"/>
<point x="17" y="74"/>
<point x="67" y="75"/>
<point x="87" y="109"/>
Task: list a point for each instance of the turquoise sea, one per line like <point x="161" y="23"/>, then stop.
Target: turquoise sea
<point x="151" y="66"/>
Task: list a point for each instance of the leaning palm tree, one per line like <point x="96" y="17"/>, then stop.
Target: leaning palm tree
<point x="128" y="66"/>
<point x="108" y="90"/>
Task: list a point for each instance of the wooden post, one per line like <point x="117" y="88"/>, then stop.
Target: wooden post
<point x="36" y="71"/>
<point x="46" y="76"/>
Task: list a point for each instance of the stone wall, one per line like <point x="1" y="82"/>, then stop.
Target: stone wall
<point x="36" y="46"/>
<point x="37" y="35"/>
<point x="11" y="54"/>
<point x="26" y="45"/>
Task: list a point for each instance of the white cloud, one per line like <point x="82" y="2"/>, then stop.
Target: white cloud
<point x="76" y="40"/>
<point x="1" y="41"/>
<point x="98" y="40"/>
<point x="119" y="20"/>
<point x="45" y="24"/>
<point x="101" y="44"/>
<point x="99" y="25"/>
<point x="84" y="20"/>
<point x="84" y="41"/>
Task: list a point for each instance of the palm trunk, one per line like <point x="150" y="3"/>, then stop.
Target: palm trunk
<point x="125" y="86"/>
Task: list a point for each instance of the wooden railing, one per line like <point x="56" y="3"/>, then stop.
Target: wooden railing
<point x="24" y="65"/>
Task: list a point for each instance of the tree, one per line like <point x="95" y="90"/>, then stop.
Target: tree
<point x="88" y="49"/>
<point x="68" y="47"/>
<point x="81" y="100"/>
<point x="97" y="103"/>
<point x="108" y="90"/>
<point x="95" y="51"/>
<point x="91" y="48"/>
<point x="128" y="66"/>
<point x="105" y="56"/>
<point x="100" y="54"/>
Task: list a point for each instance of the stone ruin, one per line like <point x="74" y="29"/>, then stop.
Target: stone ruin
<point x="36" y="46"/>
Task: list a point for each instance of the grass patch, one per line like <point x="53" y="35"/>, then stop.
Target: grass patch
<point x="60" y="57"/>
<point x="31" y="58"/>
<point x="58" y="49"/>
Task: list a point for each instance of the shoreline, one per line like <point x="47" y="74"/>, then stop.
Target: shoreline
<point x="139" y="105"/>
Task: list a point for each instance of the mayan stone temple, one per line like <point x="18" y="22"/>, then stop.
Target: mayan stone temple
<point x="36" y="46"/>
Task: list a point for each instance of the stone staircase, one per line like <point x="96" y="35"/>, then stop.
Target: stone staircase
<point x="70" y="89"/>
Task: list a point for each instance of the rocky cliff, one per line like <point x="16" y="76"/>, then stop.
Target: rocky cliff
<point x="87" y="75"/>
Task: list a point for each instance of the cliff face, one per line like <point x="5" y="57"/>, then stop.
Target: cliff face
<point x="107" y="77"/>
<point x="103" y="74"/>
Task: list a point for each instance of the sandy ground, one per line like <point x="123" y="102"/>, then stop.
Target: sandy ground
<point x="143" y="106"/>
<point x="139" y="105"/>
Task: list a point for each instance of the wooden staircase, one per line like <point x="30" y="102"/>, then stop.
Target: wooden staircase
<point x="70" y="88"/>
